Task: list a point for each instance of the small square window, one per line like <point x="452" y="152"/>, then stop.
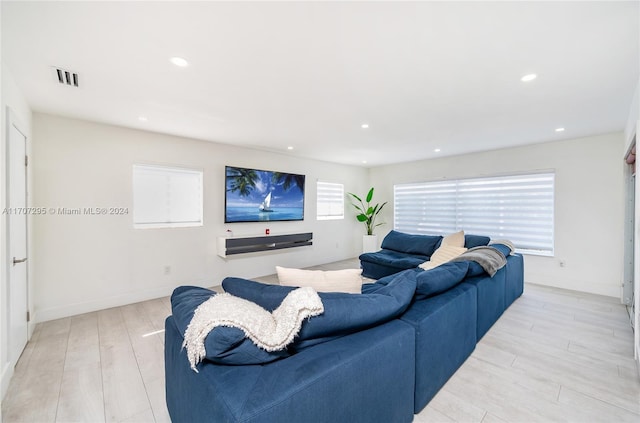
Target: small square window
<point x="166" y="197"/>
<point x="330" y="201"/>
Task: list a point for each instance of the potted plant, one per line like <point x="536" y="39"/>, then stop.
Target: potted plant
<point x="367" y="214"/>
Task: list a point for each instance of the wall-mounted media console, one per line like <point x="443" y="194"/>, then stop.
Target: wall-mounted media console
<point x="241" y="245"/>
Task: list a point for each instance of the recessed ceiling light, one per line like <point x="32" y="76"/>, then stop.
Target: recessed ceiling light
<point x="290" y="148"/>
<point x="559" y="129"/>
<point x="365" y="126"/>
<point x="437" y="150"/>
<point x="142" y="118"/>
<point x="179" y="61"/>
<point x="364" y="162"/>
<point x="529" y="77"/>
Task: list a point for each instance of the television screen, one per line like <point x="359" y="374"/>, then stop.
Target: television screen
<point x="253" y="195"/>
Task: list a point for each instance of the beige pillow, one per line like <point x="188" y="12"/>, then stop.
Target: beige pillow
<point x="454" y="240"/>
<point x="347" y="280"/>
<point x="442" y="255"/>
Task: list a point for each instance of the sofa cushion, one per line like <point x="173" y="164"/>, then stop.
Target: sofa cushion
<point x="346" y="280"/>
<point x="429" y="282"/>
<point x="343" y="313"/>
<point x="471" y="241"/>
<point x="440" y="279"/>
<point x="394" y="259"/>
<point x="223" y="345"/>
<point x="411" y="244"/>
<point x="475" y="269"/>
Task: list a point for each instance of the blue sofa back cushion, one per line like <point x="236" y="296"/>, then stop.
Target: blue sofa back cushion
<point x="474" y="269"/>
<point x="223" y="345"/>
<point x="429" y="282"/>
<point x="471" y="241"/>
<point x="440" y="279"/>
<point x="411" y="244"/>
<point x="343" y="313"/>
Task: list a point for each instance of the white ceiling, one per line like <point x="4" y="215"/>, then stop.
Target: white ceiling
<point x="423" y="75"/>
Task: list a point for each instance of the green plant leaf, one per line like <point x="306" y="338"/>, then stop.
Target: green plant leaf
<point x="366" y="212"/>
<point x="370" y="195"/>
<point x="355" y="196"/>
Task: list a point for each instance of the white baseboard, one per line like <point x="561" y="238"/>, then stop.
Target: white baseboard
<point x="607" y="291"/>
<point x="68" y="310"/>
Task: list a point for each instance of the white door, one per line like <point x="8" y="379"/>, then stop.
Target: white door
<point x="17" y="217"/>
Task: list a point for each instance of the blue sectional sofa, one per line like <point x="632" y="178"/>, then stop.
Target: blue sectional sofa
<point x="379" y="356"/>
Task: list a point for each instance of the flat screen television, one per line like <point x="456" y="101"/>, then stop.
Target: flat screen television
<point x="254" y="195"/>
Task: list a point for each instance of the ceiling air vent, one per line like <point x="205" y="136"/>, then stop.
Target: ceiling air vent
<point x="66" y="77"/>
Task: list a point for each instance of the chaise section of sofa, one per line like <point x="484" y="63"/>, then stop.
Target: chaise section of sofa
<point x="401" y="251"/>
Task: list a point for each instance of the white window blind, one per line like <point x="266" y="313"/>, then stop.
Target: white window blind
<point x="518" y="208"/>
<point x="330" y="201"/>
<point x="166" y="197"/>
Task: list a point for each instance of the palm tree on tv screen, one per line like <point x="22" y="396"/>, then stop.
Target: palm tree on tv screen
<point x="288" y="180"/>
<point x="242" y="180"/>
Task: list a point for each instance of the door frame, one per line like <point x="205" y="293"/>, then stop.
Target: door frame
<point x="11" y="120"/>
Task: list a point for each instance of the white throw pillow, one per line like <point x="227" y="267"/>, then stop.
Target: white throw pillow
<point x="454" y="240"/>
<point x="347" y="280"/>
<point x="442" y="255"/>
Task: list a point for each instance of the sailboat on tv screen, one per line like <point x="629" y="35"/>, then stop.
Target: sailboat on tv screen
<point x="266" y="204"/>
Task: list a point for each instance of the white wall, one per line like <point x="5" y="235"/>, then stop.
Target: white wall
<point x="589" y="204"/>
<point x="85" y="263"/>
<point x="12" y="98"/>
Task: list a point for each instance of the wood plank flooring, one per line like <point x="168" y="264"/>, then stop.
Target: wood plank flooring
<point x="554" y="356"/>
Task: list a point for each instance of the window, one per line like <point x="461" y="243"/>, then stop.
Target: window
<point x="166" y="197"/>
<point x="330" y="201"/>
<point x="519" y="208"/>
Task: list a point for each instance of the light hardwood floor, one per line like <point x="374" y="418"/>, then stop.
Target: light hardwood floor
<point x="554" y="355"/>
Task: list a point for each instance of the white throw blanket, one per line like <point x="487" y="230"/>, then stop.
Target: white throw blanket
<point x="269" y="331"/>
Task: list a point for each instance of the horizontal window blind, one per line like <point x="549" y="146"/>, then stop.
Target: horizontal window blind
<point x="166" y="197"/>
<point x="330" y="201"/>
<point x="518" y="208"/>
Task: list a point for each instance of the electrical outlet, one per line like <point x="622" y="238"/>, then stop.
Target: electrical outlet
<point x="167" y="270"/>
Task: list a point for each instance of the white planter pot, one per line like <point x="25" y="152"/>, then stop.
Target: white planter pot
<point x="369" y="243"/>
